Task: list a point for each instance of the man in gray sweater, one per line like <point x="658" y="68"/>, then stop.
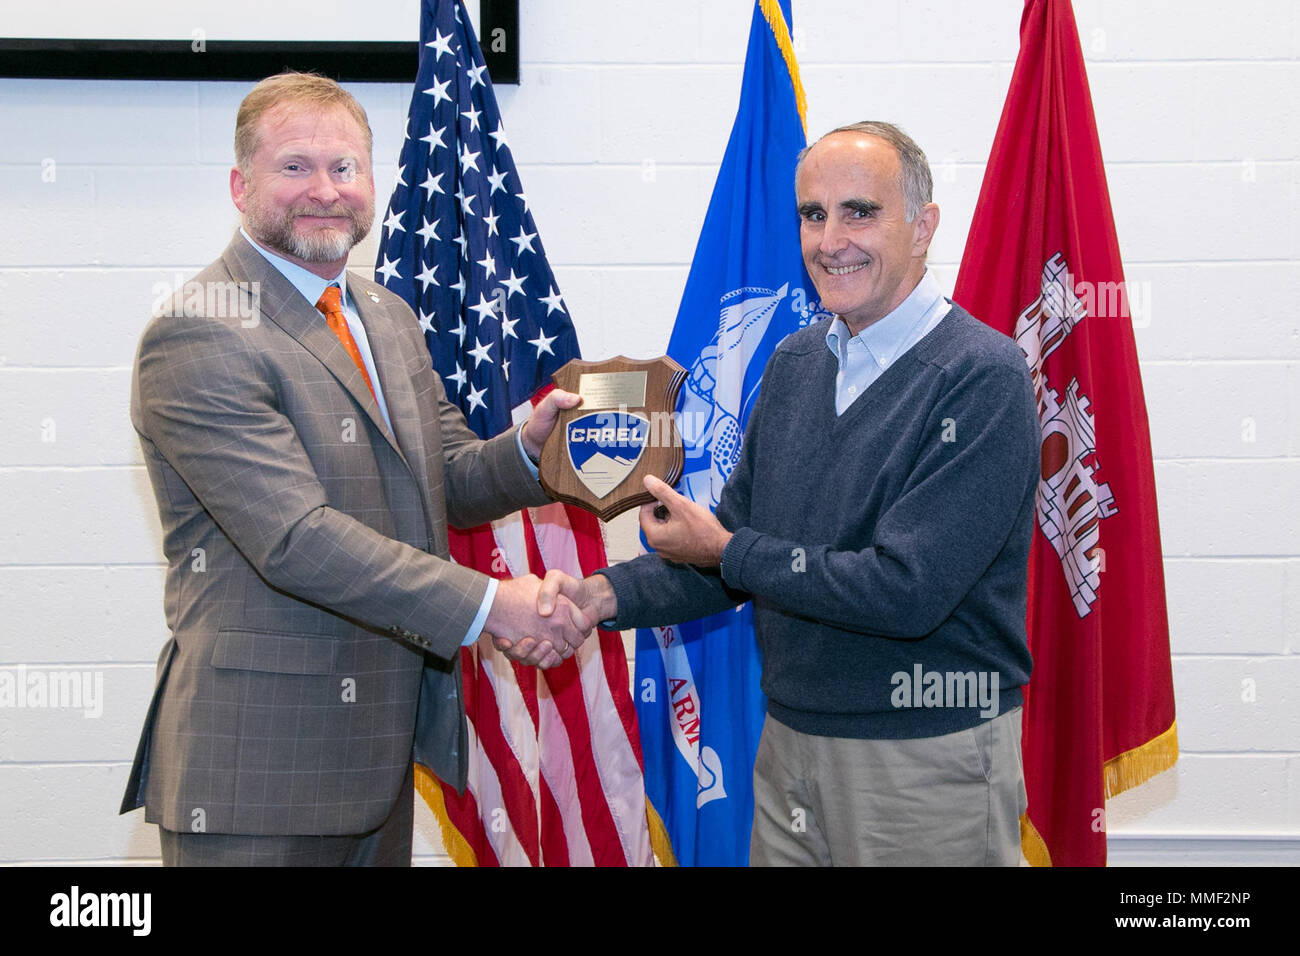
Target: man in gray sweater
<point x="880" y="520"/>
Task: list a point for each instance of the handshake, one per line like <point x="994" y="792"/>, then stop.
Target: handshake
<point x="542" y="622"/>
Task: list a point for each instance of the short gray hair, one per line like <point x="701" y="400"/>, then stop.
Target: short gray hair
<point x="917" y="184"/>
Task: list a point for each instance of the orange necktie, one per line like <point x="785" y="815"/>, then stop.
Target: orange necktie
<point x="331" y="307"/>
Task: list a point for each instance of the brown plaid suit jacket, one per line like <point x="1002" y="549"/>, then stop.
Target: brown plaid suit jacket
<point x="315" y="615"/>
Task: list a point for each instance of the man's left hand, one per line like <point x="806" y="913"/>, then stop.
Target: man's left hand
<point x="689" y="533"/>
<point x="539" y="425"/>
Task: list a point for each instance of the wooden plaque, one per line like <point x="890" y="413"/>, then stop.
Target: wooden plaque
<point x="599" y="452"/>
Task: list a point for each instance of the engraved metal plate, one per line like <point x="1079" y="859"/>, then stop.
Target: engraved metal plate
<point x="612" y="390"/>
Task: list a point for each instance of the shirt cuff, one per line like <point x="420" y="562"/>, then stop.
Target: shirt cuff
<point x="528" y="462"/>
<point x="476" y="626"/>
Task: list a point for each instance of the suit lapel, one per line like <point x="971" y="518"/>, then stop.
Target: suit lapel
<point x="399" y="393"/>
<point x="282" y="304"/>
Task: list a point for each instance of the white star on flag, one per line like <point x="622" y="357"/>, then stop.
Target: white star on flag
<point x="388" y="270"/>
<point x="553" y="301"/>
<point x="439" y="92"/>
<point x="468" y="160"/>
<point x="513" y="284"/>
<point x="440" y="44"/>
<point x="524" y="240"/>
<point x="542" y="343"/>
<point x="475" y="397"/>
<point x="480" y="353"/>
<point x="428" y="275"/>
<point x="429" y="231"/>
<point x="434" y="139"/>
<point x="432" y="184"/>
<point x="486" y="308"/>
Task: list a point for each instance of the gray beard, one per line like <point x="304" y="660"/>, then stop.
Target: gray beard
<point x="321" y="245"/>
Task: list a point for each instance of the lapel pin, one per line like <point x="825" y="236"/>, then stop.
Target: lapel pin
<point x="373" y="297"/>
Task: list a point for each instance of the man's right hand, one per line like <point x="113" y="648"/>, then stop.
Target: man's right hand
<point x="594" y="596"/>
<point x="523" y="634"/>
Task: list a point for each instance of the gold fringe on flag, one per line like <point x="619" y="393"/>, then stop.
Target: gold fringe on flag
<point x="1129" y="769"/>
<point x="428" y="786"/>
<point x="659" y="842"/>
<point x="776" y="23"/>
<point x="1032" y="845"/>
<point x="1142" y="763"/>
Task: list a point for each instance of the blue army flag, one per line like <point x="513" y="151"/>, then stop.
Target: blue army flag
<point x="697" y="684"/>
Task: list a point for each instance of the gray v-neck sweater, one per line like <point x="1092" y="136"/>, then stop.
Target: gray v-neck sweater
<point x="885" y="549"/>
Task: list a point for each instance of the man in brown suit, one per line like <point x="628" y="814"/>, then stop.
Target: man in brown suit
<point x="306" y="464"/>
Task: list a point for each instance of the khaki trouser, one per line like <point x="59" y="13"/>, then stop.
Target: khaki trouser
<point x="953" y="800"/>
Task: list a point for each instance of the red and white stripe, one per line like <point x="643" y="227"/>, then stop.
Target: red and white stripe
<point x="555" y="774"/>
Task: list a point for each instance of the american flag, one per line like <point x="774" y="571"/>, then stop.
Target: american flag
<point x="555" y="772"/>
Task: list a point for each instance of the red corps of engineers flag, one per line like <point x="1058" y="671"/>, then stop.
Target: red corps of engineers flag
<point x="1042" y="265"/>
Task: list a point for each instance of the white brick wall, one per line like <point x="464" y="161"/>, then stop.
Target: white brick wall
<point x="619" y="126"/>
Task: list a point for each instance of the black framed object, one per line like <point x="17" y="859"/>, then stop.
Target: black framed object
<point x="43" y="58"/>
<point x="499" y="39"/>
<point x="204" y="59"/>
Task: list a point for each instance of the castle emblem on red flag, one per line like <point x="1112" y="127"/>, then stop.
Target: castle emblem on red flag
<point x="1071" y="502"/>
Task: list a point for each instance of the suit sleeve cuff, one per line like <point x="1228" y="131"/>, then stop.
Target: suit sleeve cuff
<point x="476" y="627"/>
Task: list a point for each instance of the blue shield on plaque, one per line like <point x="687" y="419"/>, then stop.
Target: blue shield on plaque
<point x="604" y="447"/>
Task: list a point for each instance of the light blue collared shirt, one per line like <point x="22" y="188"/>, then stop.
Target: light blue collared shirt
<point x="864" y="357"/>
<point x="311" y="287"/>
